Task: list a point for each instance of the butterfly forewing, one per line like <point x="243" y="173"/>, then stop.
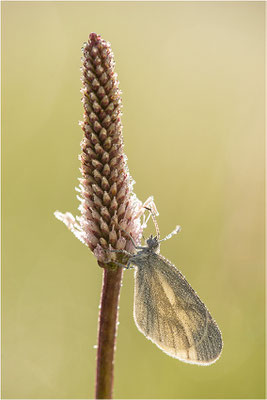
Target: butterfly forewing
<point x="169" y="312"/>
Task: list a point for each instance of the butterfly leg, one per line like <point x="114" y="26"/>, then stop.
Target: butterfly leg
<point x="127" y="266"/>
<point x="130" y="237"/>
<point x="121" y="251"/>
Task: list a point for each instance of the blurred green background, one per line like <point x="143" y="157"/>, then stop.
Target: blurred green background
<point x="192" y="76"/>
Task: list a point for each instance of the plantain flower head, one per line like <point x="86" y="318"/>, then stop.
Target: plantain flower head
<point x="109" y="210"/>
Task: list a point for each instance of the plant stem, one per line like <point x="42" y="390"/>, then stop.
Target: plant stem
<point x="108" y="316"/>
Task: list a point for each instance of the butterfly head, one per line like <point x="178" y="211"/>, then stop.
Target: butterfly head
<point x="153" y="243"/>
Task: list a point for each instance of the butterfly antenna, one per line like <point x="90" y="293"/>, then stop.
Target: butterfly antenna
<point x="146" y="221"/>
<point x="153" y="216"/>
<point x="174" y="232"/>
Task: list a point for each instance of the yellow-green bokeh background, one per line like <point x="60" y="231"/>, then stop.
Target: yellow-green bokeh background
<point x="192" y="76"/>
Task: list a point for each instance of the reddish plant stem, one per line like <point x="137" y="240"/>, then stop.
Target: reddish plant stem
<point x="108" y="316"/>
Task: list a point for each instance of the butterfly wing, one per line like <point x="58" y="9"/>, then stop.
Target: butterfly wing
<point x="169" y="313"/>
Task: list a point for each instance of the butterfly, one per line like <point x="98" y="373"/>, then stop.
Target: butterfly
<point x="167" y="310"/>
